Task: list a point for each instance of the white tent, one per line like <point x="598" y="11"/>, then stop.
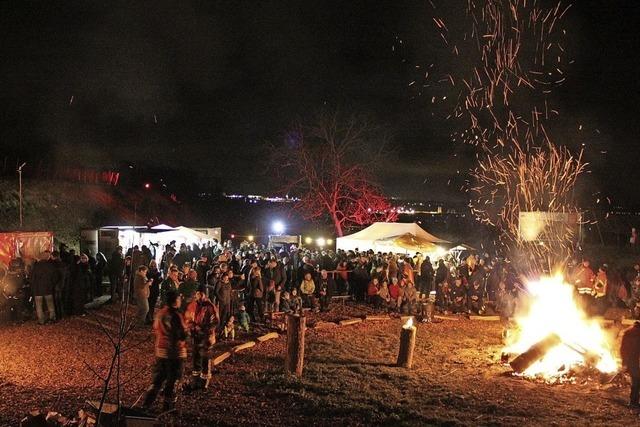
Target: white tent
<point x="165" y="234"/>
<point x="158" y="236"/>
<point x="392" y="237"/>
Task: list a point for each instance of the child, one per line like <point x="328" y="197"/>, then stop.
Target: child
<point x="383" y="295"/>
<point x="285" y="303"/>
<point x="229" y="329"/>
<point x="244" y="319"/>
<point x="296" y="301"/>
<point x="372" y="292"/>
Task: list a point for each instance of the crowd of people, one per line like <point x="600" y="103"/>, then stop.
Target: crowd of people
<point x="214" y="291"/>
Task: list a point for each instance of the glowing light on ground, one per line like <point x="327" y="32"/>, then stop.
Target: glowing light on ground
<point x="553" y="310"/>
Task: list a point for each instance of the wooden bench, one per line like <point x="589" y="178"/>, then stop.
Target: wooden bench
<point x="342" y="298"/>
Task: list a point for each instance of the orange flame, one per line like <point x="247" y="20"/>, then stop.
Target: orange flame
<point x="553" y="310"/>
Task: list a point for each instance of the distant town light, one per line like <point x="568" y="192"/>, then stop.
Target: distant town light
<point x="147" y="185"/>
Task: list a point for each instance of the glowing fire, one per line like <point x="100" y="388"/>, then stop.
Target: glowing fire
<point x="552" y="309"/>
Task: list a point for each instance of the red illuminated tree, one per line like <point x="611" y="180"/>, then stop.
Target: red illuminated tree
<point x="329" y="167"/>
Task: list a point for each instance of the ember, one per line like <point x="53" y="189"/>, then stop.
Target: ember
<point x="553" y="312"/>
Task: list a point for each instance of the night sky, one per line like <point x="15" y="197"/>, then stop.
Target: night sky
<point x="198" y="88"/>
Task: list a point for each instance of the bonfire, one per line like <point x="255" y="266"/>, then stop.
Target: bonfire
<point x="564" y="338"/>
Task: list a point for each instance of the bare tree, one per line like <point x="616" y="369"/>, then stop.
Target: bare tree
<point x="329" y="166"/>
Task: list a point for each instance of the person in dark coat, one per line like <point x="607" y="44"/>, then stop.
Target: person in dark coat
<point x="475" y="298"/>
<point x="426" y="276"/>
<point x="630" y="354"/>
<point x="442" y="277"/>
<point x="153" y="274"/>
<point x="224" y="299"/>
<point x="275" y="272"/>
<point x="326" y="289"/>
<point x="44" y="276"/>
<point x="116" y="272"/>
<point x="101" y="265"/>
<point x="58" y="289"/>
<point x="459" y="296"/>
<point x="82" y="281"/>
<point x="256" y="294"/>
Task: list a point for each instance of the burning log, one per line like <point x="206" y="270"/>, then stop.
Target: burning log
<point x="407" y="344"/>
<point x="535" y="353"/>
<point x="294" y="360"/>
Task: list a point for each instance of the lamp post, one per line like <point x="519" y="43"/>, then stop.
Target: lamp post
<point x="20" y="190"/>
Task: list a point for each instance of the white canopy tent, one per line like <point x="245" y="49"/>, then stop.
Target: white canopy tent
<point x="158" y="236"/>
<point x="393" y="237"/>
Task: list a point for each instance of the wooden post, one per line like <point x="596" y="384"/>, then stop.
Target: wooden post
<point x="407" y="344"/>
<point x="534" y="353"/>
<point x="294" y="360"/>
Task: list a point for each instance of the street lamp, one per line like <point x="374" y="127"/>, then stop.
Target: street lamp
<point x="20" y="189"/>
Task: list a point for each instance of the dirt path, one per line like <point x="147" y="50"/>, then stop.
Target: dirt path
<point x="349" y="379"/>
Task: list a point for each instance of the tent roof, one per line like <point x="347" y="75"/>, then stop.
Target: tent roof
<point x="162" y="227"/>
<point x="387" y="230"/>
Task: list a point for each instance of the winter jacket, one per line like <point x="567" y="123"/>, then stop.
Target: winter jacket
<point x="394" y="291"/>
<point x="410" y="294"/>
<point x="327" y="285"/>
<point x="257" y="287"/>
<point x="44" y="276"/>
<point x="275" y="274"/>
<point x="116" y="265"/>
<point x="384" y="293"/>
<point x="187" y="289"/>
<point x="307" y="287"/>
<point x="170" y="331"/>
<point x="630" y="349"/>
<point x="140" y="285"/>
<point x="167" y="285"/>
<point x="224" y="293"/>
<point x="372" y="289"/>
<point x="201" y="316"/>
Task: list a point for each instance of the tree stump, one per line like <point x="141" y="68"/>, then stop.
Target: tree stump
<point x="294" y="360"/>
<point x="407" y="344"/>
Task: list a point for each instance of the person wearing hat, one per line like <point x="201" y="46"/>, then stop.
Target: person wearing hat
<point x="630" y="354"/>
<point x="201" y="317"/>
